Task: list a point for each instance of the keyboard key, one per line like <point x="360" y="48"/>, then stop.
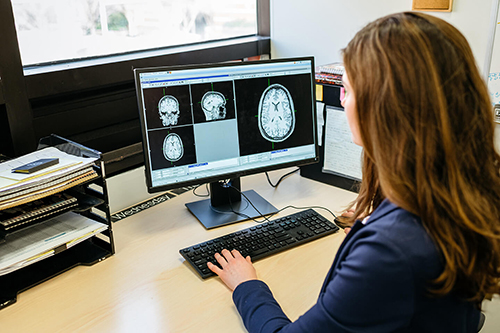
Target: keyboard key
<point x="258" y="252"/>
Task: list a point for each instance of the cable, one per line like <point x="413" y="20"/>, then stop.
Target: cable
<point x="250" y="202"/>
<point x="266" y="218"/>
<point x="201" y="195"/>
<point x="268" y="179"/>
<point x="282" y="177"/>
<point x="231" y="204"/>
<point x="308" y="207"/>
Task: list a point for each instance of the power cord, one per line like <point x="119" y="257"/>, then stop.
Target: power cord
<point x="282" y="177"/>
<point x="250" y="202"/>
<point x="202" y="195"/>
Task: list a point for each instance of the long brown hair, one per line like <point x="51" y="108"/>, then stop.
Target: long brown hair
<point x="426" y="123"/>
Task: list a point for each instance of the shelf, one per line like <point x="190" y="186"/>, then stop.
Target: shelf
<point x="85" y="201"/>
<point x="88" y="252"/>
<point x="93" y="203"/>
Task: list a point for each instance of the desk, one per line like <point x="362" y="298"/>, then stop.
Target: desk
<point x="147" y="287"/>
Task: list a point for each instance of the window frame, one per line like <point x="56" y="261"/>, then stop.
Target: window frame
<point x="21" y="85"/>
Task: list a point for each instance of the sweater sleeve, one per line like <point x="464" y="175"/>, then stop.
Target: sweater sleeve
<point x="258" y="308"/>
<point x="372" y="290"/>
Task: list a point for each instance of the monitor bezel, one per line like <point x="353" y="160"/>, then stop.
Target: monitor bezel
<point x="231" y="175"/>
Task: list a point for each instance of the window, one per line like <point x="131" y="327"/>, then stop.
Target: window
<point x="60" y="30"/>
<point x="63" y="73"/>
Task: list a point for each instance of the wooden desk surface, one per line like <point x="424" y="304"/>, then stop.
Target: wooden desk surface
<point x="147" y="287"/>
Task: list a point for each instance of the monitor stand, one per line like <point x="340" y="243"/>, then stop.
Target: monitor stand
<point x="224" y="199"/>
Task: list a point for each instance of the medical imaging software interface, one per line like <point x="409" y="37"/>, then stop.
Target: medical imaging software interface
<point x="209" y="121"/>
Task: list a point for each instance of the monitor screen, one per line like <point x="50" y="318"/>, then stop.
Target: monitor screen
<point x="211" y="122"/>
<point x="205" y="123"/>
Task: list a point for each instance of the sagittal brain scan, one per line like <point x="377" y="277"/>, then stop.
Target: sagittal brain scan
<point x="168" y="107"/>
<point x="213" y="104"/>
<point x="276" y="113"/>
<point x="173" y="149"/>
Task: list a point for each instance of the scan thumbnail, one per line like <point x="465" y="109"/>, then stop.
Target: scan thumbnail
<point x="172" y="147"/>
<point x="276" y="113"/>
<point x="213" y="101"/>
<point x="167" y="107"/>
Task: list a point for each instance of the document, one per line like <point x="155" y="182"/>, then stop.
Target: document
<point x="12" y="182"/>
<point x="342" y="156"/>
<point x="40" y="241"/>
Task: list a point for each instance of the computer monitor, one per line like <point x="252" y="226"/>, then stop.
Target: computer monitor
<point x="214" y="123"/>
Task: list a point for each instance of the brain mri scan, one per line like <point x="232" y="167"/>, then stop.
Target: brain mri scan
<point x="276" y="113"/>
<point x="173" y="149"/>
<point x="168" y="107"/>
<point x="213" y="104"/>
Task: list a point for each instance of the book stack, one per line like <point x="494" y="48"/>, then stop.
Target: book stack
<point x="330" y="73"/>
<point x="26" y="199"/>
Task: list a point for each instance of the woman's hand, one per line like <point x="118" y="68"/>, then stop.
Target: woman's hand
<point x="348" y="213"/>
<point x="235" y="268"/>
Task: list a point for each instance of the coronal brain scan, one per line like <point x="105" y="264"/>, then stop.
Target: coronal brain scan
<point x="213" y="104"/>
<point x="168" y="107"/>
<point x="276" y="113"/>
<point x="173" y="149"/>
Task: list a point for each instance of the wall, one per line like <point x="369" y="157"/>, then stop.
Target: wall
<point x="322" y="28"/>
<point x="128" y="189"/>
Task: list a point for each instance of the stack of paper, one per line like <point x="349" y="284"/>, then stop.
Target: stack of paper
<point x="38" y="242"/>
<point x="16" y="188"/>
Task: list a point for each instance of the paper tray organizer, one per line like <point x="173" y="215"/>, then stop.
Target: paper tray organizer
<point x="92" y="203"/>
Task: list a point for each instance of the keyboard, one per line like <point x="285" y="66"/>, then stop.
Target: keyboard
<point x="261" y="240"/>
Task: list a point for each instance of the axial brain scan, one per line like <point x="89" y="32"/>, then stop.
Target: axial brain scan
<point x="173" y="149"/>
<point x="168" y="107"/>
<point x="213" y="104"/>
<point x="276" y="113"/>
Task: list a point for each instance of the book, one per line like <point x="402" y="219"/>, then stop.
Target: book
<point x="37" y="165"/>
<point x="333" y="68"/>
<point x="329" y="78"/>
<point x="22" y="215"/>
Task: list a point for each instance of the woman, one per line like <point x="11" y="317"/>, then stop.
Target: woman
<point x="425" y="248"/>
